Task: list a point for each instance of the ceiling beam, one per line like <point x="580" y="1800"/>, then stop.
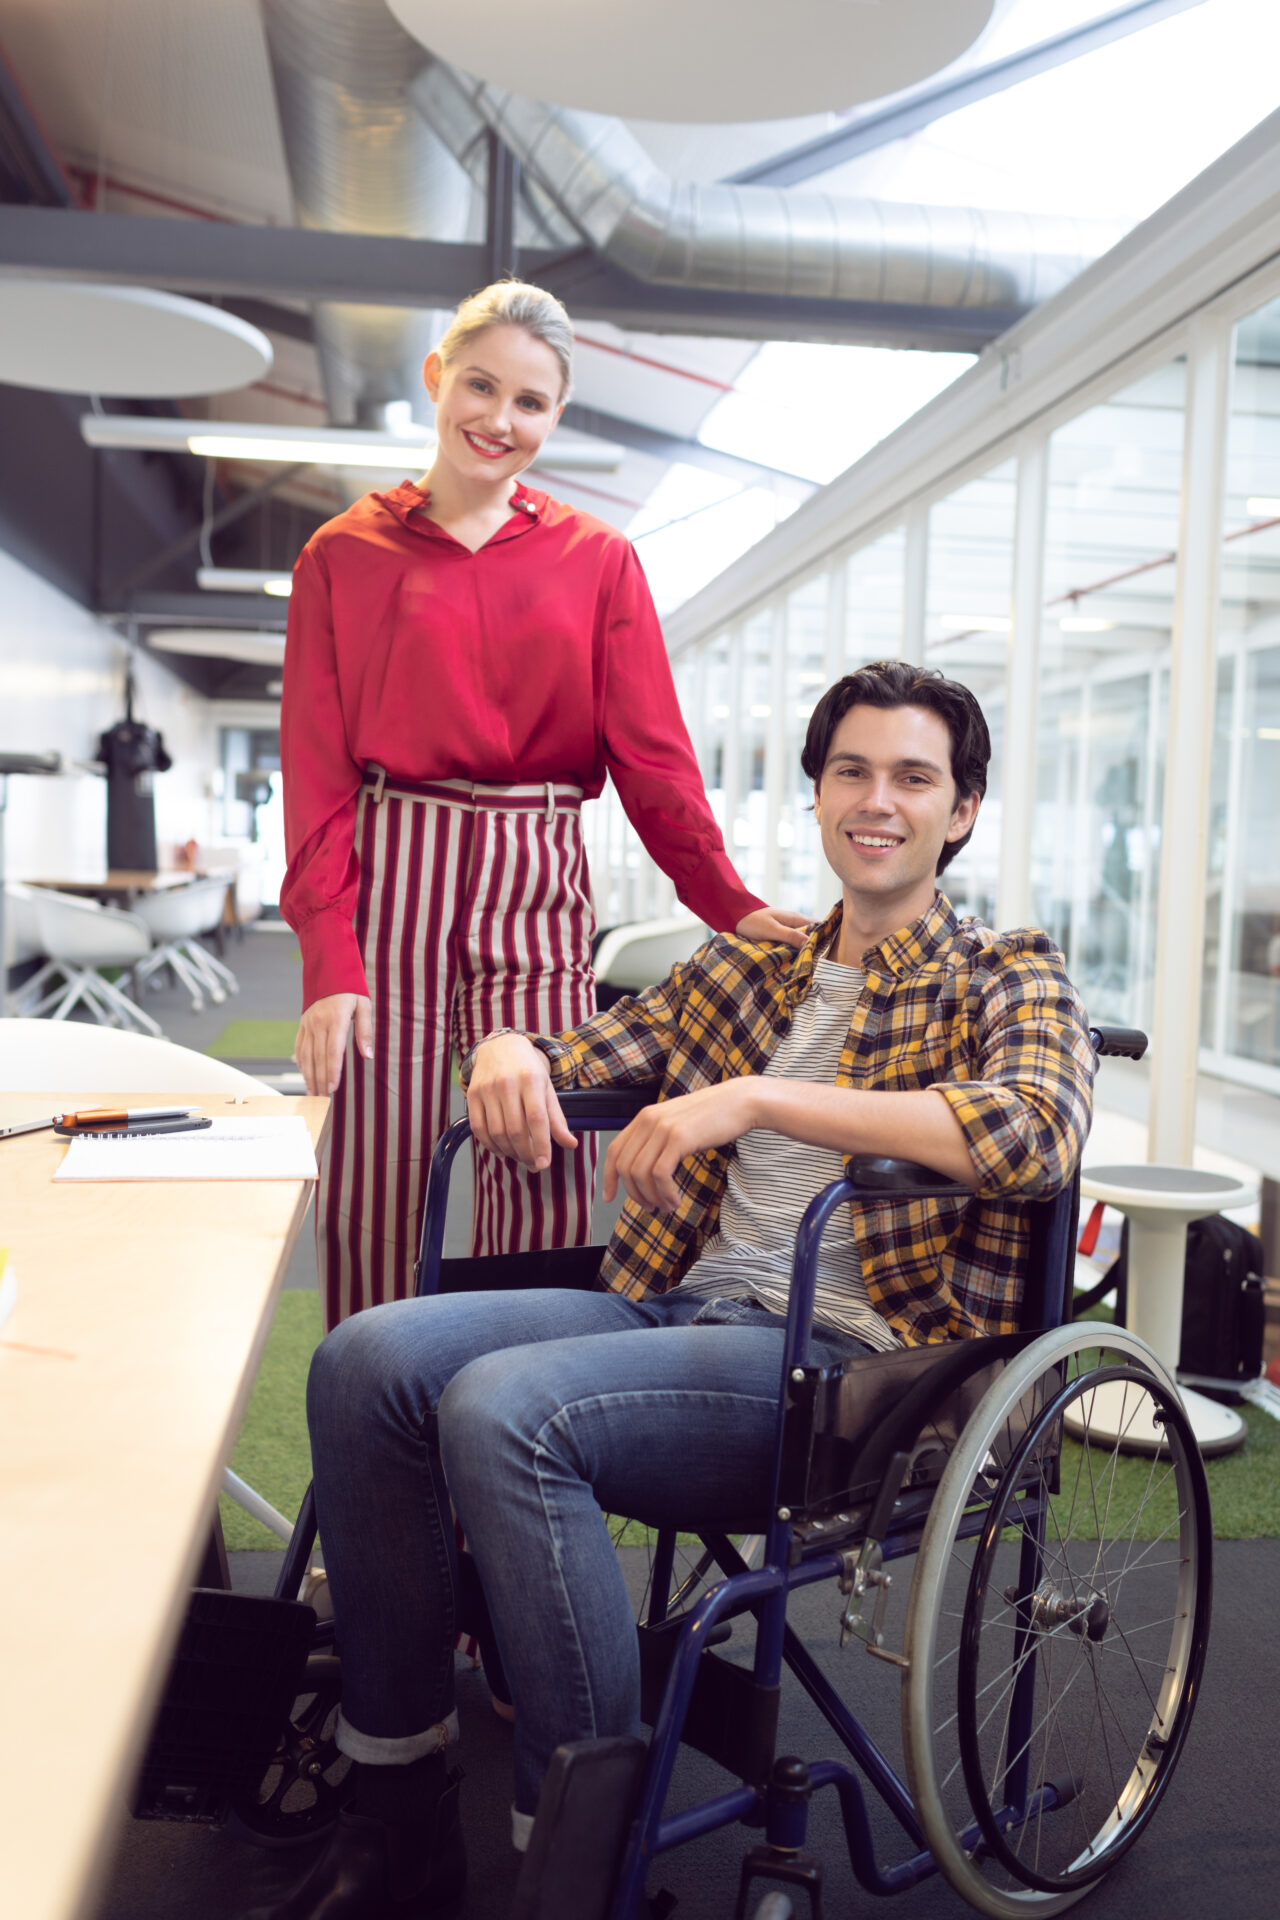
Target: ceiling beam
<point x="257" y="610"/>
<point x="372" y="269"/>
<point x="866" y="131"/>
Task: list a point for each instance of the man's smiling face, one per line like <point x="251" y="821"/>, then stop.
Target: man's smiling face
<point x="886" y="805"/>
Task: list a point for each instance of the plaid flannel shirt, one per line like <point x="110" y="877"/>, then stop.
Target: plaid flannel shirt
<point x="989" y="1019"/>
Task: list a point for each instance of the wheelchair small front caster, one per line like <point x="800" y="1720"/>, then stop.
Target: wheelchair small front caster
<point x="780" y="1858"/>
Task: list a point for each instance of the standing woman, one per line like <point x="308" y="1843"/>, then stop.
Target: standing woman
<point x="467" y="659"/>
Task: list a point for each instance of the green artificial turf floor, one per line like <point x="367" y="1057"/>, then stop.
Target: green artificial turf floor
<point x="273" y="1456"/>
<point x="255" y="1040"/>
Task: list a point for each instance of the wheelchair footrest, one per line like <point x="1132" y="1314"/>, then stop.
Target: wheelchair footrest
<point x="731" y="1718"/>
<point x="585" y="1809"/>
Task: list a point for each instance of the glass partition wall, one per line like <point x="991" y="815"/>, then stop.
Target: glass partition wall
<point x="1091" y="765"/>
<point x="1110" y="553"/>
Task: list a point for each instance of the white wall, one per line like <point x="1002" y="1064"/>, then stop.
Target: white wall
<point x="61" y="686"/>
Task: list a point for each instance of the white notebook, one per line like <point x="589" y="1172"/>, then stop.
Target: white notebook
<point x="253" y="1148"/>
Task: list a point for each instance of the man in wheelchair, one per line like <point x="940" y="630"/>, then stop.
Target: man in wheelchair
<point x="898" y="1029"/>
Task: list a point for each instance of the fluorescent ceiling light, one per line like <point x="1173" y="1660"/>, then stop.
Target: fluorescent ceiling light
<point x="1084" y="623"/>
<point x="233" y="643"/>
<point x="317" y="446"/>
<point x="361" y="450"/>
<point x="975" y="622"/>
<point x="1262" y="503"/>
<point x="245" y="580"/>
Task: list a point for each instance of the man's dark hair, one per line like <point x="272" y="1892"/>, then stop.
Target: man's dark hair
<point x="893" y="683"/>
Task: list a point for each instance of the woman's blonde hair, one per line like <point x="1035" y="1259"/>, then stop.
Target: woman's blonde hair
<point x="514" y="303"/>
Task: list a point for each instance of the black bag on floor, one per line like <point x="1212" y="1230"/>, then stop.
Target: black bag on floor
<point x="1222" y="1303"/>
<point x="1223" y="1308"/>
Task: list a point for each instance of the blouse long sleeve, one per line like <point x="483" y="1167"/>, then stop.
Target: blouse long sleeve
<point x="651" y="760"/>
<point x="322" y="780"/>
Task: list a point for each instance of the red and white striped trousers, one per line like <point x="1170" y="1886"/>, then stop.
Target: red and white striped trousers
<point x="473" y="912"/>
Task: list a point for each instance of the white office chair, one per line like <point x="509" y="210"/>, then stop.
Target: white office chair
<point x="43" y="1056"/>
<point x="643" y="952"/>
<point x="176" y="917"/>
<point x="80" y="937"/>
<point x="22" y="943"/>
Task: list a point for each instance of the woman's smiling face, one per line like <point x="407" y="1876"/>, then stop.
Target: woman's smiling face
<point x="495" y="404"/>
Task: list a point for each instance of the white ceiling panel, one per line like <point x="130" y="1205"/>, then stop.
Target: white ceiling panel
<point x="170" y="95"/>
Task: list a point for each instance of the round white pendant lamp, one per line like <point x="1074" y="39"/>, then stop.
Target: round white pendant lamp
<point x="709" y="60"/>
<point x="128" y="343"/>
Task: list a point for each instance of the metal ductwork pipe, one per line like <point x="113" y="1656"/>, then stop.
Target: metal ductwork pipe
<point x="361" y="160"/>
<point x="759" y="240"/>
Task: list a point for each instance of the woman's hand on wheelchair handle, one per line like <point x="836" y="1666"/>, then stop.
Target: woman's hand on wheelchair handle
<point x="511" y="1103"/>
<point x="643" y="1158"/>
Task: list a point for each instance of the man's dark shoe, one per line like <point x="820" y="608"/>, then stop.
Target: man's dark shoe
<point x="377" y="1870"/>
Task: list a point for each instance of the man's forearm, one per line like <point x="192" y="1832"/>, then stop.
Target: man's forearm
<point x="908" y="1126"/>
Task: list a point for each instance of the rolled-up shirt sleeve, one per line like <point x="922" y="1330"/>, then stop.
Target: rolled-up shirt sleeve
<point x="321" y="782"/>
<point x="651" y="760"/>
<point x="1026" y="1113"/>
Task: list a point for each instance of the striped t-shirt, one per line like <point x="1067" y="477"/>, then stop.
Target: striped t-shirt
<point x="772" y="1179"/>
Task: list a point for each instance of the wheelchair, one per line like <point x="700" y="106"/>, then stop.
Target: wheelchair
<point x="1055" y="1623"/>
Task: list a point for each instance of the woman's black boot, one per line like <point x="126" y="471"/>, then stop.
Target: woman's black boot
<point x="397" y="1854"/>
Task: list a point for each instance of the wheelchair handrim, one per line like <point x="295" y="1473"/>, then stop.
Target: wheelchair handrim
<point x="1171" y="1711"/>
<point x="950" y="1501"/>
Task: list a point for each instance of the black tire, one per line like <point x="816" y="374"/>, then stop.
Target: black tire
<point x="1065" y="1580"/>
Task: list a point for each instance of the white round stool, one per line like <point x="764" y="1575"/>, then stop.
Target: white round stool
<point x="1159" y="1203"/>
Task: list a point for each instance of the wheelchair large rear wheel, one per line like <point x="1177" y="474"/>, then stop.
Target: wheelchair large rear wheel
<point x="1057" y="1624"/>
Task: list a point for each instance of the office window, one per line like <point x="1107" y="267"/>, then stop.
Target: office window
<point x="1111" y="540"/>
<point x="873" y="601"/>
<point x="804" y="679"/>
<point x="970" y="588"/>
<point x="1242" y="949"/>
<point x="752" y="698"/>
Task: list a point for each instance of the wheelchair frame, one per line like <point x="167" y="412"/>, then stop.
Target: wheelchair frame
<point x="818" y="1531"/>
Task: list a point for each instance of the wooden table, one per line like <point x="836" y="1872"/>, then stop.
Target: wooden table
<point x="124" y="880"/>
<point x="124" y="1372"/>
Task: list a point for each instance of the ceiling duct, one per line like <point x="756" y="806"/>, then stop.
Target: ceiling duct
<point x="361" y="160"/>
<point x="754" y="239"/>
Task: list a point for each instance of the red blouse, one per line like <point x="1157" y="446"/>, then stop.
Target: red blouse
<point x="538" y="658"/>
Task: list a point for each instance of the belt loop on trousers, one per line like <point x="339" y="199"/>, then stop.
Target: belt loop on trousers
<point x="379" y="783"/>
<point x="551" y="801"/>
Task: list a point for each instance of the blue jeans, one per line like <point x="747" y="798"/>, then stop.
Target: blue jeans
<point x="537" y="1409"/>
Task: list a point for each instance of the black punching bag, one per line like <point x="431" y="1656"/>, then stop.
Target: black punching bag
<point x="133" y="755"/>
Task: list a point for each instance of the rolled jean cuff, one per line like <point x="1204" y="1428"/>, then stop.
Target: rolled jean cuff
<point x="376" y="1751"/>
<point x="521" y="1830"/>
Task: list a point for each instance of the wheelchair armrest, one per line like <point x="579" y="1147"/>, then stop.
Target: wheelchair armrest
<point x="605" y="1107"/>
<point x="878" y="1173"/>
<point x="1128" y="1043"/>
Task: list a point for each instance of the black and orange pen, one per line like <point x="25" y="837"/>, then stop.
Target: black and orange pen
<point x="100" y="1119"/>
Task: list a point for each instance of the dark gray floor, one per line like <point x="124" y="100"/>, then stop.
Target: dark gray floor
<point x="1213" y="1846"/>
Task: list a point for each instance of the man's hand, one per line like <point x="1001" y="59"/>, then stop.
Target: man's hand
<point x="777" y="925"/>
<point x="645" y="1155"/>
<point x="322" y="1038"/>
<point x="511" y="1102"/>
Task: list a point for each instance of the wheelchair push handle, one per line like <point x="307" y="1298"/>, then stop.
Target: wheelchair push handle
<point x="1124" y="1043"/>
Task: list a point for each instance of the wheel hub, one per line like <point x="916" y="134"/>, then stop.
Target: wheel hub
<point x="1048" y="1607"/>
